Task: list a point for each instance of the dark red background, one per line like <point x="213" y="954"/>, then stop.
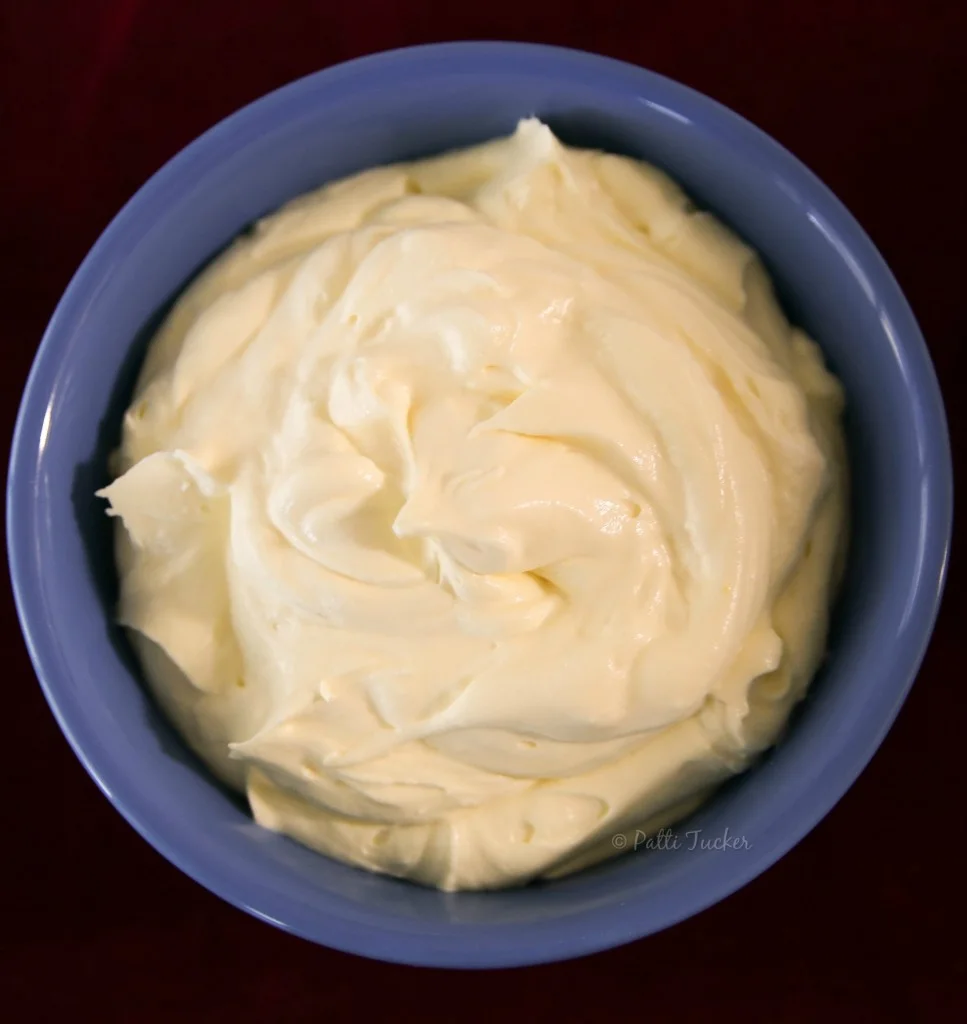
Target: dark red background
<point x="864" y="920"/>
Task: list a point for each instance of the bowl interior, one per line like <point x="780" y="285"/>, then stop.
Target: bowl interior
<point x="405" y="105"/>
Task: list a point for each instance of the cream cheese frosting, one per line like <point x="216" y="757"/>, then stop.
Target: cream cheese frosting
<point x="477" y="509"/>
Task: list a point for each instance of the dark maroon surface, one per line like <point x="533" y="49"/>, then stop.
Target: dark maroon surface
<point x="865" y="919"/>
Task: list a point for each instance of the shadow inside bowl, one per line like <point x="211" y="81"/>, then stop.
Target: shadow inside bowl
<point x="96" y="530"/>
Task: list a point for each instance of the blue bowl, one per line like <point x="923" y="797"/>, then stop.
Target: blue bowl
<point x="402" y="105"/>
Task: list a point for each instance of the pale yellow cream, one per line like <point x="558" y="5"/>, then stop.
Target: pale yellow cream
<point x="478" y="509"/>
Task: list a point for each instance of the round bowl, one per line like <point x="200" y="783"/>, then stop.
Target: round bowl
<point x="401" y="105"/>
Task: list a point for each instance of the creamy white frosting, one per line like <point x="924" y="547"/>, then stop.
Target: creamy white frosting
<point x="478" y="509"/>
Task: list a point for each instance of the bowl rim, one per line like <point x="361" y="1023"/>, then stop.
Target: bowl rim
<point x="436" y="947"/>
